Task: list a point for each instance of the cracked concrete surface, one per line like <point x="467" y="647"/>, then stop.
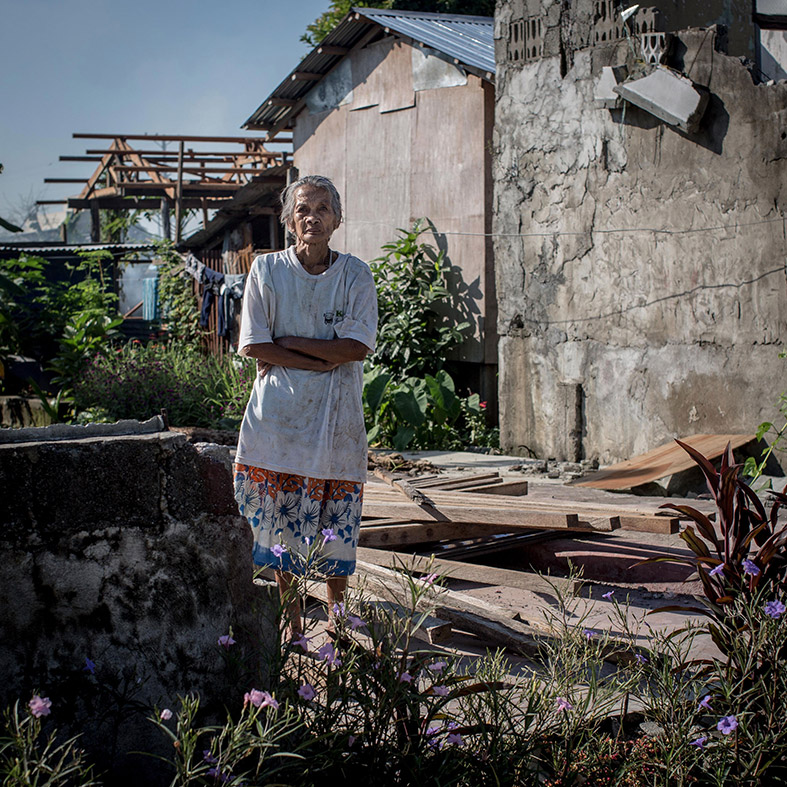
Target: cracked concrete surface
<point x="650" y="263"/>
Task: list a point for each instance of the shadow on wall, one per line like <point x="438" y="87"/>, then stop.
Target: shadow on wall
<point x="711" y="134"/>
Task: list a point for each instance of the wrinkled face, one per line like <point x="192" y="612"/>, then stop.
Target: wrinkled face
<point x="313" y="218"/>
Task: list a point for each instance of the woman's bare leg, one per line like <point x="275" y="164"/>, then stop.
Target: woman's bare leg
<point x="335" y="587"/>
<point x="291" y="599"/>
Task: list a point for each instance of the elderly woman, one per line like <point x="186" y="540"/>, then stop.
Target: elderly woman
<point x="309" y="319"/>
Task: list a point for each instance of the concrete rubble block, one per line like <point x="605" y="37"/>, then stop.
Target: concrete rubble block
<point x="68" y="485"/>
<point x="604" y="93"/>
<point x="667" y="95"/>
<point x="94" y="565"/>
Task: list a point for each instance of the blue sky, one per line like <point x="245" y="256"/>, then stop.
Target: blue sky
<point x="133" y="66"/>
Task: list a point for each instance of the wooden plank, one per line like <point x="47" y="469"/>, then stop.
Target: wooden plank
<point x="503" y="488"/>
<point x="492" y="515"/>
<point x="487" y="575"/>
<point x="471" y="614"/>
<point x="419" y="532"/>
<point x="663" y="461"/>
<point x="478" y="506"/>
<point x="449" y="483"/>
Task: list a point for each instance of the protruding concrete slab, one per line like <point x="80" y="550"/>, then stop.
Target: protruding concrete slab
<point x="610" y="78"/>
<point x="667" y="95"/>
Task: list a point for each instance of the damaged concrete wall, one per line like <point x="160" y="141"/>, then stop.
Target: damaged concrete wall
<point x="640" y="269"/>
<point x="128" y="551"/>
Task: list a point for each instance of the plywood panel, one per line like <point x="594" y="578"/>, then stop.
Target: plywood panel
<point x="663" y="461"/>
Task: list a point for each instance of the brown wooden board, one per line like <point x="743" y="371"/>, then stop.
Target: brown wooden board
<point x="486" y="575"/>
<point x="514" y="488"/>
<point x="492" y="515"/>
<point x="663" y="461"/>
<point x="380" y="535"/>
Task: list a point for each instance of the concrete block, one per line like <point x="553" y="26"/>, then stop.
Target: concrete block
<point x="610" y="78"/>
<point x="667" y="95"/>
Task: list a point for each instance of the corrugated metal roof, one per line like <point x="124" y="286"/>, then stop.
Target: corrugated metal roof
<point x="73" y="248"/>
<point x="469" y="40"/>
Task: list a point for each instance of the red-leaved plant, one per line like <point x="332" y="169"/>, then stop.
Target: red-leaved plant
<point x="742" y="555"/>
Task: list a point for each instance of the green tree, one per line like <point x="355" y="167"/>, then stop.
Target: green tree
<point x="317" y="30"/>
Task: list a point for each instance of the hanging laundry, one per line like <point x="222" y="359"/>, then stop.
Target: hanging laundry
<point x="211" y="281"/>
<point x="193" y="267"/>
<point x="230" y="299"/>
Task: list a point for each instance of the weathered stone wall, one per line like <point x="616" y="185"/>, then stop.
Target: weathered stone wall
<point x="128" y="551"/>
<point x="640" y="269"/>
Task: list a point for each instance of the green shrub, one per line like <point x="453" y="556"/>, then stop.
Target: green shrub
<point x="138" y="381"/>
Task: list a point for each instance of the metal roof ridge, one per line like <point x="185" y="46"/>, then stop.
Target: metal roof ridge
<point x="422" y="14"/>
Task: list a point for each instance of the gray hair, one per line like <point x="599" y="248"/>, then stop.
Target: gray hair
<point x="318" y="182"/>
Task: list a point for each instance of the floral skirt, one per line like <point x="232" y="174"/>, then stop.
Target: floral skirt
<point x="300" y="524"/>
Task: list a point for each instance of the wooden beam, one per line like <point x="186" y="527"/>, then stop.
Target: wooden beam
<point x="81" y="158"/>
<point x="186" y="169"/>
<point x="398" y="534"/>
<point x="504" y="488"/>
<point x="510" y="517"/>
<point x="171" y="138"/>
<point x="52" y="202"/>
<point x="138" y="203"/>
<point x="194" y="188"/>
<point x="65" y="180"/>
<point x="179" y="194"/>
<point x="468" y="572"/>
<point x="190" y="154"/>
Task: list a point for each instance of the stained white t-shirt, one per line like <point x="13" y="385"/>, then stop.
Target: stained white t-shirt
<point x="300" y="421"/>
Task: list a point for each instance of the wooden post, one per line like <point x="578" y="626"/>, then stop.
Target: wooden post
<point x="95" y="222"/>
<point x="166" y="229"/>
<point x="204" y="212"/>
<point x="179" y="194"/>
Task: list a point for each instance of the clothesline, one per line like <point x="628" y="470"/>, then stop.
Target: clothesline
<point x="558" y="233"/>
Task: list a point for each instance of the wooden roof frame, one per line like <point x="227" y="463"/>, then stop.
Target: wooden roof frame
<point x="128" y="177"/>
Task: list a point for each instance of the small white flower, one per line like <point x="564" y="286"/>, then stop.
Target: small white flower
<point x="286" y="509"/>
<point x="250" y="499"/>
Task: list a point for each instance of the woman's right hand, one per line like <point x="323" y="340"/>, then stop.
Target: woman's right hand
<point x="319" y="366"/>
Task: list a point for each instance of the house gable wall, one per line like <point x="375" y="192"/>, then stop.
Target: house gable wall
<point x="398" y="153"/>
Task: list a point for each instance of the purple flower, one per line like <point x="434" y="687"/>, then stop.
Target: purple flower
<point x="640" y="658"/>
<point x="330" y="655"/>
<point x="260" y="699"/>
<point x="278" y="550"/>
<point x="226" y="641"/>
<point x="453" y="738"/>
<point x="90" y="666"/>
<point x="714" y="572"/>
<point x="438" y="666"/>
<point x="350" y="741"/>
<point x="563" y="704"/>
<point x="307" y="692"/>
<point x="429" y="579"/>
<point x="441" y="691"/>
<point x="705" y="702"/>
<point x="302" y="641"/>
<point x="405" y="677"/>
<point x="774" y="609"/>
<point x="750" y="568"/>
<point x="589" y="633"/>
<point x="338" y="609"/>
<point x="165" y="715"/>
<point x="700" y="742"/>
<point x="608" y="595"/>
<point x="208" y="757"/>
<point x="355" y="622"/>
<point x="40" y="706"/>
<point x="328" y="534"/>
<point x="307" y="540"/>
<point x="727" y="724"/>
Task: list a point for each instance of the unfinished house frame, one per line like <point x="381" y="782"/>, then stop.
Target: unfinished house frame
<point x="145" y="178"/>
